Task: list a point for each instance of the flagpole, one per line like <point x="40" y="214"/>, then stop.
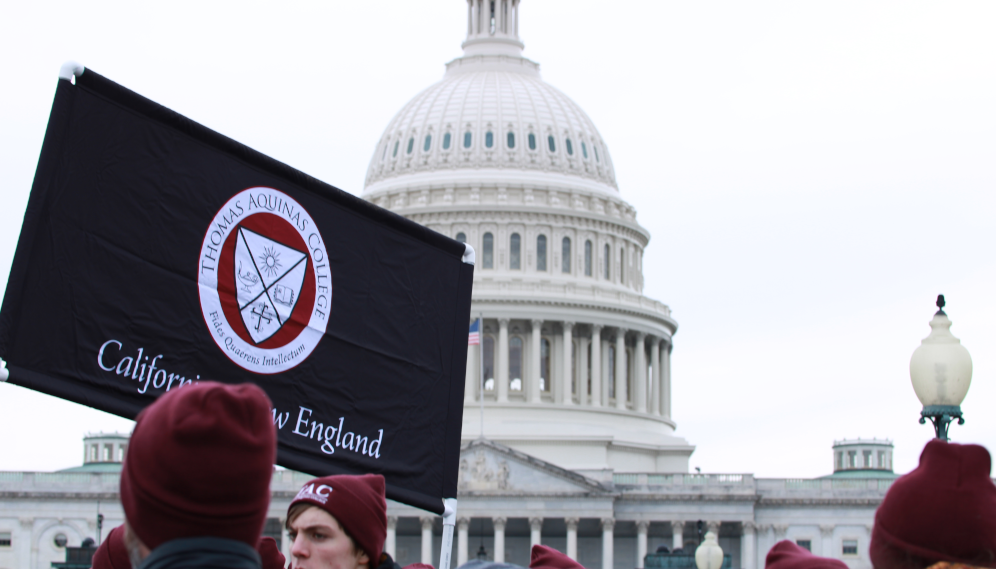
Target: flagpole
<point x="480" y="328"/>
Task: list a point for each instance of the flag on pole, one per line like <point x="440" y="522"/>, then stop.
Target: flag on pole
<point x="156" y="253"/>
<point x="474" y="338"/>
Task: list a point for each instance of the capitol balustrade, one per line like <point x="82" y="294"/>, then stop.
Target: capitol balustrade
<point x="565" y="292"/>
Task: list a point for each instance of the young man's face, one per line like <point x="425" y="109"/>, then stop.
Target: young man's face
<point x="321" y="543"/>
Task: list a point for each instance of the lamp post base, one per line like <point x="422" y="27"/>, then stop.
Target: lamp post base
<point x="941" y="416"/>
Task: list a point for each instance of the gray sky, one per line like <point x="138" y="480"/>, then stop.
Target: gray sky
<point x="813" y="174"/>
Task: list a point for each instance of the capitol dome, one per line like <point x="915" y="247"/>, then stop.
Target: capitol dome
<point x="574" y="362"/>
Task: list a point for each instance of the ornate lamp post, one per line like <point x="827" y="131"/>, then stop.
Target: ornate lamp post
<point x="941" y="371"/>
<point x="709" y="554"/>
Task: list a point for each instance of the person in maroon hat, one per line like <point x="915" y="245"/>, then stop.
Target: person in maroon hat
<point x="112" y="554"/>
<point x="944" y="511"/>
<point x="543" y="557"/>
<point x="788" y="555"/>
<point x="340" y="522"/>
<point x="195" y="484"/>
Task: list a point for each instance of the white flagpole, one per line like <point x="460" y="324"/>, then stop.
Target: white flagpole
<point x="449" y="520"/>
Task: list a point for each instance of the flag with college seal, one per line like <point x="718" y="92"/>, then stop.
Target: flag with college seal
<point x="156" y="253"/>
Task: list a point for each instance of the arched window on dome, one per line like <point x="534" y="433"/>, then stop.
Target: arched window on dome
<point x="411" y="144"/>
<point x="594" y="148"/>
<point x="565" y="255"/>
<point x="446" y="141"/>
<point x="488" y="251"/>
<point x="489" y="139"/>
<point x="587" y="258"/>
<point x="544" y="378"/>
<point x="515" y="363"/>
<point x="622" y="266"/>
<point x="383" y="155"/>
<point x="584" y="150"/>
<point x="541" y="253"/>
<point x="612" y="372"/>
<point x="570" y="148"/>
<point x="511" y="140"/>
<point x="428" y="143"/>
<point x="551" y="143"/>
<point x="396" y="144"/>
<point x="532" y="141"/>
<point x="515" y="252"/>
<point x="608" y="260"/>
<point x="489" y="362"/>
<point x="461" y="237"/>
<point x="466" y="139"/>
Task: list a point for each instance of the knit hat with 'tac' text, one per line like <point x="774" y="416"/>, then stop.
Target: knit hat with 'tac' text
<point x="199" y="464"/>
<point x="358" y="503"/>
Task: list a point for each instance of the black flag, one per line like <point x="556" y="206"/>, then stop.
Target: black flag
<point x="156" y="252"/>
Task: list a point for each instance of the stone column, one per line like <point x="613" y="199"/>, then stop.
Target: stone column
<point x="666" y="371"/>
<point x="499" y="524"/>
<point x="826" y="533"/>
<point x="780" y="531"/>
<point x="535" y="361"/>
<point x="502" y="360"/>
<point x="748" y="547"/>
<point x="426" y="539"/>
<point x="655" y="382"/>
<point x="572" y="537"/>
<point x="472" y="379"/>
<point x="678" y="534"/>
<point x="621" y="387"/>
<point x="390" y="544"/>
<point x="641" y="542"/>
<point x="607" y="542"/>
<point x="596" y="365"/>
<point x="535" y="531"/>
<point x="462" y="525"/>
<point x="565" y="397"/>
<point x="640" y="373"/>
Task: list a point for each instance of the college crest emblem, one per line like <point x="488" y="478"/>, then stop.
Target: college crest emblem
<point x="264" y="281"/>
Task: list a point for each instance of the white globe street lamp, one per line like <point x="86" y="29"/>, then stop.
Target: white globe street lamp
<point x="941" y="372"/>
<point x="709" y="554"/>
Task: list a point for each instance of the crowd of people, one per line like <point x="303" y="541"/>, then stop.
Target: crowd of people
<point x="195" y="492"/>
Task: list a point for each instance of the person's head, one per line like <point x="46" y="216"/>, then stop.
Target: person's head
<point x="112" y="554"/>
<point x="944" y="510"/>
<point x="787" y="555"/>
<point x="199" y="464"/>
<point x="338" y="522"/>
<point x="543" y="557"/>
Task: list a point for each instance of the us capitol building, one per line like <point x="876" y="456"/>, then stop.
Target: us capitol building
<point x="568" y="435"/>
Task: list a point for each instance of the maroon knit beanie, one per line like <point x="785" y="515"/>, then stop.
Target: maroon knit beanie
<point x="787" y="555"/>
<point x="358" y="503"/>
<point x="270" y="554"/>
<point x="544" y="557"/>
<point x="112" y="554"/>
<point x="199" y="463"/>
<point x="944" y="510"/>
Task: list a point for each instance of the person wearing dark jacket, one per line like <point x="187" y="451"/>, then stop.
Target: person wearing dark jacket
<point x="340" y="522"/>
<point x="195" y="484"/>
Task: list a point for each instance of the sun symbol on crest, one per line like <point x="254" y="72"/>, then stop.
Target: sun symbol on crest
<point x="270" y="261"/>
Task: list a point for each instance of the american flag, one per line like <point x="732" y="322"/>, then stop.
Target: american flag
<point x="474" y="338"/>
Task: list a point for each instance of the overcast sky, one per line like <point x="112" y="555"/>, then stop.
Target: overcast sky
<point x="812" y="174"/>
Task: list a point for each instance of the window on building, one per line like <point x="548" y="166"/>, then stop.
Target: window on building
<point x="608" y="267"/>
<point x="587" y="258"/>
<point x="461" y="237"/>
<point x="544" y="365"/>
<point x="849" y="547"/>
<point x="384" y="154"/>
<point x="121" y="452"/>
<point x="489" y="139"/>
<point x="489" y="362"/>
<point x="806" y="544"/>
<point x="868" y="459"/>
<point x="4" y="539"/>
<point x="551" y="143"/>
<point x="446" y="141"/>
<point x="60" y="540"/>
<point x="584" y="150"/>
<point x="515" y="362"/>
<point x="565" y="255"/>
<point x="840" y="460"/>
<point x="532" y="141"/>
<point x="107" y="454"/>
<point x="466" y="139"/>
<point x="428" y="143"/>
<point x="395" y="153"/>
<point x="411" y="145"/>
<point x="852" y="459"/>
<point x="515" y="252"/>
<point x="541" y="253"/>
<point x="595" y="148"/>
<point x="881" y="459"/>
<point x="570" y="148"/>
<point x="488" y="251"/>
<point x="272" y="528"/>
<point x="511" y="140"/>
<point x="611" y="360"/>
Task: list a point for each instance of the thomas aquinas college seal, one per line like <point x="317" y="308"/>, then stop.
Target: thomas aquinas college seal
<point x="264" y="281"/>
